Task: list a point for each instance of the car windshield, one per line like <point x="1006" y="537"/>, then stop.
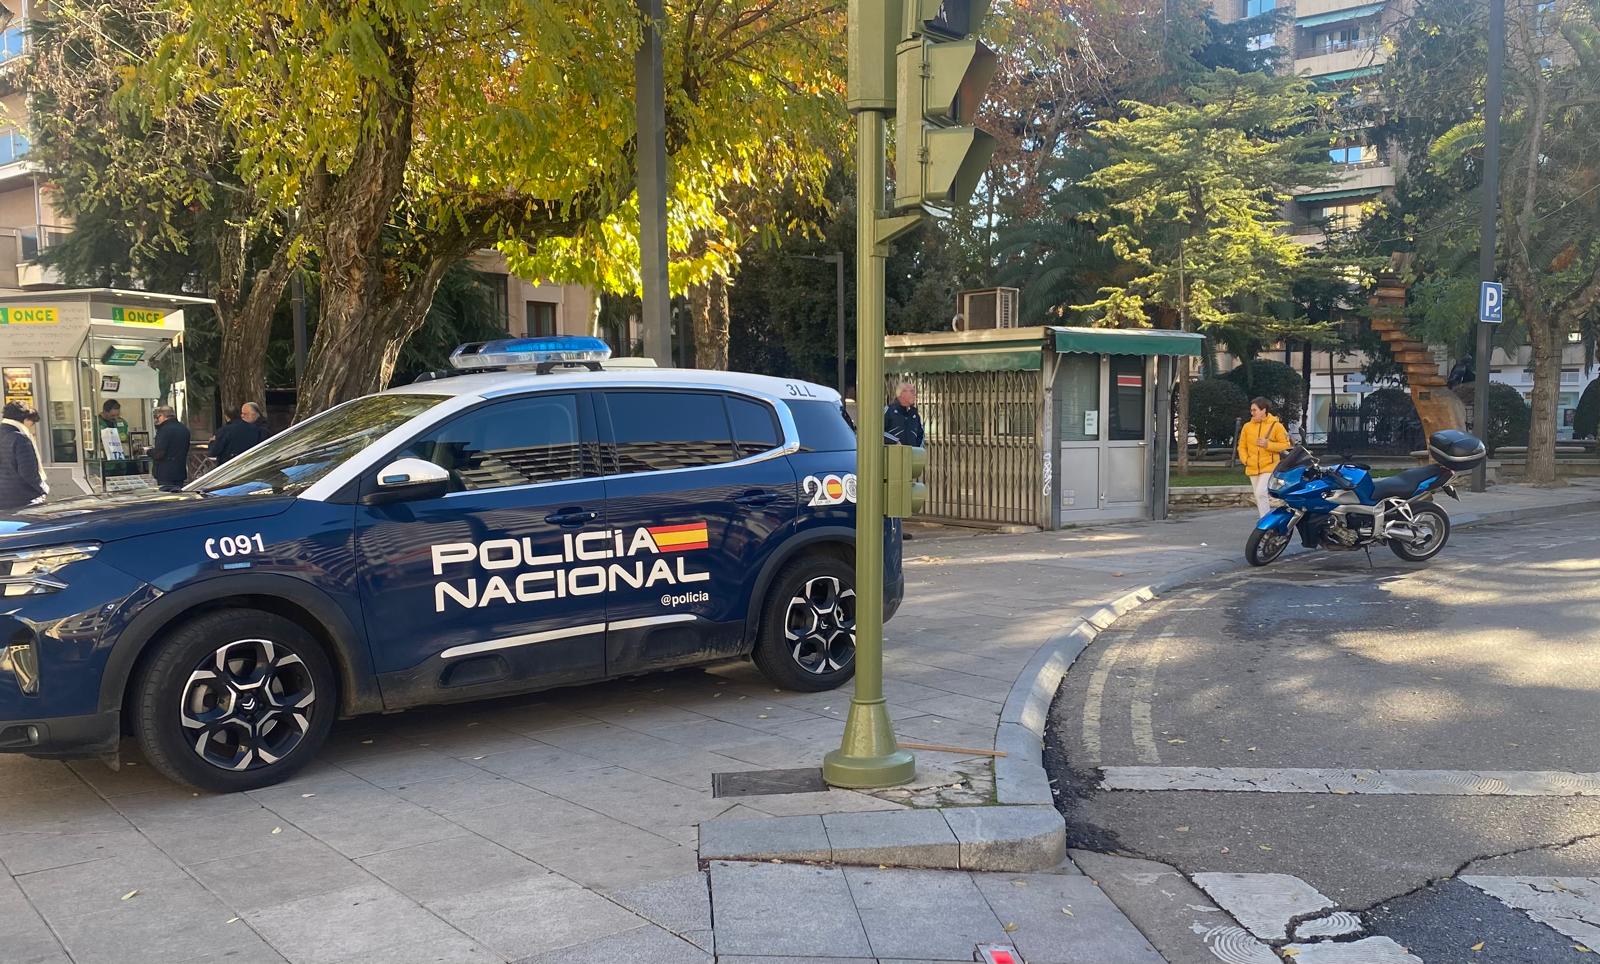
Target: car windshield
<point x="292" y="460"/>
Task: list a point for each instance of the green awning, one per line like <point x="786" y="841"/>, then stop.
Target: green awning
<point x="1317" y="20"/>
<point x="1335" y="195"/>
<point x="964" y="358"/>
<point x="1339" y="75"/>
<point x="1123" y="341"/>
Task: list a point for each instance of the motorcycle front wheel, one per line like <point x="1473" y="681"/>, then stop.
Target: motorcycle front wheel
<point x="1265" y="545"/>
<point x="1433" y="531"/>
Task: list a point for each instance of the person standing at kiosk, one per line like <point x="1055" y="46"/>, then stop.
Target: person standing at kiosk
<point x="169" y="452"/>
<point x="20" y="478"/>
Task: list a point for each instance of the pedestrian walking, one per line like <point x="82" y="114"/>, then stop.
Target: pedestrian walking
<point x="1262" y="441"/>
<point x="901" y="420"/>
<point x="243" y="430"/>
<point x="169" y="452"/>
<point x="21" y="478"/>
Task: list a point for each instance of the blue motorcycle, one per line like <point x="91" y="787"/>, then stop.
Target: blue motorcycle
<point x="1342" y="507"/>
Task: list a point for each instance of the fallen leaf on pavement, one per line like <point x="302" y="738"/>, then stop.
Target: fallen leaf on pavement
<point x="129" y="895"/>
<point x="1176" y="740"/>
<point x="1010" y="928"/>
<point x="1183" y="829"/>
<point x="277" y="830"/>
<point x="1477" y="947"/>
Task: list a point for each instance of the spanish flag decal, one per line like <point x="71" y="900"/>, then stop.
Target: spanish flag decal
<point x="680" y="538"/>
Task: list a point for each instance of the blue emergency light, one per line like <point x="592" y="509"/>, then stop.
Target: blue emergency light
<point x="539" y="353"/>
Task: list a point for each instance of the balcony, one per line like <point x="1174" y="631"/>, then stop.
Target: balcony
<point x="1304" y="9"/>
<point x="1341" y="58"/>
<point x="19" y="249"/>
<point x="1375" y="175"/>
<point x="14" y="163"/>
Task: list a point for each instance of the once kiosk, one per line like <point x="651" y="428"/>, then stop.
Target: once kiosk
<point x="65" y="353"/>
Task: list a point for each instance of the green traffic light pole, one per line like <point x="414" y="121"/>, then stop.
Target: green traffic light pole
<point x="868" y="754"/>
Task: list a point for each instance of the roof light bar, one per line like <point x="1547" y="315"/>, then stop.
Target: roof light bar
<point x="531" y="352"/>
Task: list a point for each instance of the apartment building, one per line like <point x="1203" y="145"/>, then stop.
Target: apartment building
<point x="29" y="220"/>
<point x="534" y="308"/>
<point x="1338" y="45"/>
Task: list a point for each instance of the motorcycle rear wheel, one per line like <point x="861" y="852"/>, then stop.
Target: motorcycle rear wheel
<point x="1264" y="545"/>
<point x="1437" y="524"/>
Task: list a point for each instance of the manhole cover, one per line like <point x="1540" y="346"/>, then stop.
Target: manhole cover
<point x="753" y="783"/>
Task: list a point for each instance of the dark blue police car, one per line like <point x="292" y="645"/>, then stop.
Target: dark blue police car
<point x="482" y="534"/>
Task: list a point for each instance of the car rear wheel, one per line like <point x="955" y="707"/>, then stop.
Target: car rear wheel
<point x="233" y="700"/>
<point x="808" y="625"/>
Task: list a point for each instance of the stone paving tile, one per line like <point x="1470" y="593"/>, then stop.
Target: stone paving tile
<point x="617" y="858"/>
<point x="265" y="878"/>
<point x="681" y="905"/>
<point x="645" y="714"/>
<point x="454" y="948"/>
<point x="922" y="913"/>
<point x="631" y="797"/>
<point x="29" y="852"/>
<point x="357" y="818"/>
<point x="99" y="885"/>
<point x="534" y="915"/>
<point x="465" y="794"/>
<point x="755" y="909"/>
<point x="389" y="770"/>
<point x="1263" y="903"/>
<point x="175" y="804"/>
<point x="242" y="832"/>
<point x="1096" y="933"/>
<point x="832" y="800"/>
<point x="69" y="809"/>
<point x="370" y="919"/>
<point x="1368" y="950"/>
<point x="24" y="936"/>
<point x="537" y="759"/>
<point x="447" y="868"/>
<point x="642" y="945"/>
<point x="172" y="921"/>
<point x="966" y="709"/>
<point x="707" y="734"/>
<point x="778" y="753"/>
<point x="134" y="776"/>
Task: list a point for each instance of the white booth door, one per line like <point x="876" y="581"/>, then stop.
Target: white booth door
<point x="1103" y="415"/>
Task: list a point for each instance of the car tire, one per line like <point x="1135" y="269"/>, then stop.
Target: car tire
<point x="807" y="640"/>
<point x="233" y="700"/>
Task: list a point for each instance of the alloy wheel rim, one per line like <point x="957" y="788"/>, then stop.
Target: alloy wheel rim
<point x="820" y="625"/>
<point x="1271" y="545"/>
<point x="247" y="705"/>
<point x="1428" y="538"/>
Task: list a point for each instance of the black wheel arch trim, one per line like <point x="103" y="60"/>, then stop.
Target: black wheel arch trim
<point x="792" y="547"/>
<point x="358" y="686"/>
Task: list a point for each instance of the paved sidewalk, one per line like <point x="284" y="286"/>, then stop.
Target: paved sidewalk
<point x="564" y="825"/>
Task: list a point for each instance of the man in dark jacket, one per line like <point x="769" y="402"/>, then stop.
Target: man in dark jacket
<point x="19" y="461"/>
<point x="169" y="453"/>
<point x="242" y="432"/>
<point x="901" y="420"/>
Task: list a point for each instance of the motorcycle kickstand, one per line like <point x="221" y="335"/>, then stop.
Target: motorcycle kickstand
<point x="1368" y="550"/>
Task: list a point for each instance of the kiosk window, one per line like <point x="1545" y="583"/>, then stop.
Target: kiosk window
<point x="1127" y="398"/>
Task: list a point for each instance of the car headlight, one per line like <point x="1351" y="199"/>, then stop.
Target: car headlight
<point x="30" y="571"/>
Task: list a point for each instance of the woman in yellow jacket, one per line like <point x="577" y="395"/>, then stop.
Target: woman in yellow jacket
<point x="1262" y="440"/>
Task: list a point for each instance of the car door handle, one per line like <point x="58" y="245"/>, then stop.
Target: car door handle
<point x="571" y="518"/>
<point x="757" y="497"/>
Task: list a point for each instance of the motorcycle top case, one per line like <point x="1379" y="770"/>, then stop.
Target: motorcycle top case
<point x="1456" y="450"/>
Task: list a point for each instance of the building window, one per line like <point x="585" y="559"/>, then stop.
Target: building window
<point x="1255" y="8"/>
<point x="1546" y="17"/>
<point x="1264" y="41"/>
<point x="1338" y="217"/>
<point x="499" y="288"/>
<point x="13" y="42"/>
<point x="541" y="319"/>
<point x="1352" y="154"/>
<point x="1340" y="38"/>
<point x="13" y="146"/>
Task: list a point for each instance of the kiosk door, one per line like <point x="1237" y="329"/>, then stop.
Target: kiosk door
<point x="1103" y="415"/>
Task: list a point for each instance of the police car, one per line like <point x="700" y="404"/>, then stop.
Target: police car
<point x="514" y="526"/>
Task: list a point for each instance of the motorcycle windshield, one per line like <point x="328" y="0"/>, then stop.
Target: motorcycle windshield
<point x="1295" y="458"/>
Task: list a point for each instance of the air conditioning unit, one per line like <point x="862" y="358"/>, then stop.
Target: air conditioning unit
<point x="986" y="308"/>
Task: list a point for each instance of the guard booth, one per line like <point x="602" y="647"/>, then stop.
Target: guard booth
<point x="1048" y="426"/>
<point x="64" y="353"/>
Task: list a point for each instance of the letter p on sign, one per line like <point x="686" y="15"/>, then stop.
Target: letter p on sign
<point x="1491" y="302"/>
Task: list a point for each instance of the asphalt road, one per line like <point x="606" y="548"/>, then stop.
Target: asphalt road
<point x="1487" y="659"/>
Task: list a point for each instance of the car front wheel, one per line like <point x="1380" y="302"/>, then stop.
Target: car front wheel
<point x="233" y="700"/>
<point x="808" y="625"/>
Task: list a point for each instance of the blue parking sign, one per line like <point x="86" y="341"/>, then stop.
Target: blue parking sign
<point x="1491" y="302"/>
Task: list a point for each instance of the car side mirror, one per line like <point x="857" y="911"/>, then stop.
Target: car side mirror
<point x="408" y="478"/>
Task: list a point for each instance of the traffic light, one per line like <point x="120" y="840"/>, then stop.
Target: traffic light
<point x="940" y="77"/>
<point x="904" y="492"/>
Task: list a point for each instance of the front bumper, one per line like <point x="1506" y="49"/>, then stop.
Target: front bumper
<point x="54" y="648"/>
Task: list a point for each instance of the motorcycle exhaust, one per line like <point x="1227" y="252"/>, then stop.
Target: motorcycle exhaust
<point x="1400" y="530"/>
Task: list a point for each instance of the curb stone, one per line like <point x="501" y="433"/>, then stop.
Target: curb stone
<point x="1024" y="832"/>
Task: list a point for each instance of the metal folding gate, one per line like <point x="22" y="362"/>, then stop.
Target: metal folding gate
<point x="984" y="455"/>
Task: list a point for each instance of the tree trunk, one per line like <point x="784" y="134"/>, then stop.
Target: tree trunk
<point x="708" y="307"/>
<point x="1547" y="344"/>
<point x="1305" y="388"/>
